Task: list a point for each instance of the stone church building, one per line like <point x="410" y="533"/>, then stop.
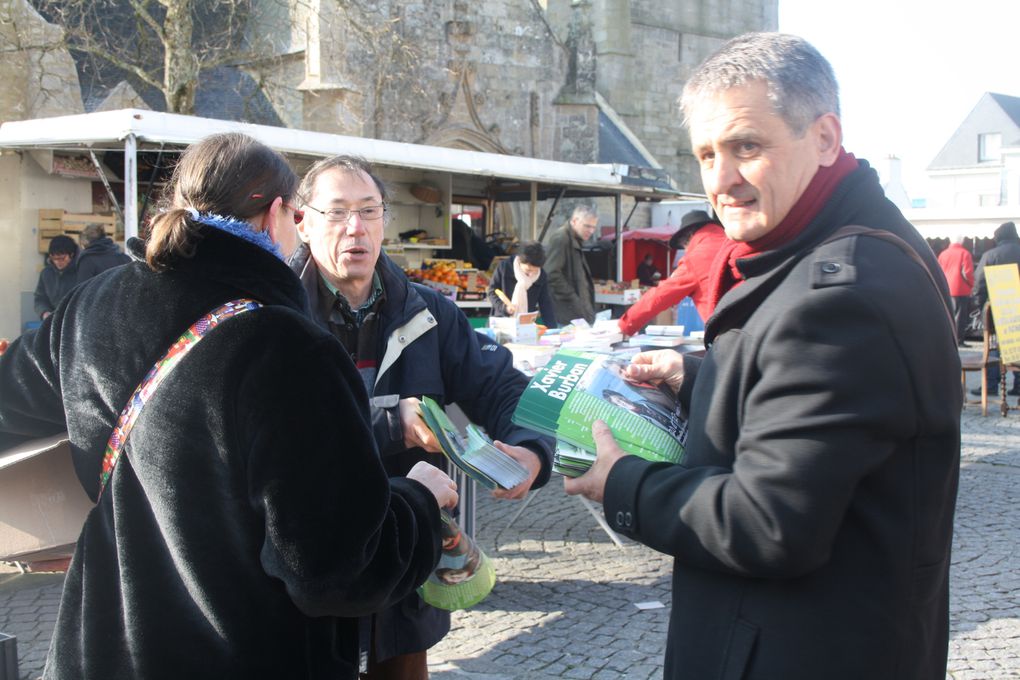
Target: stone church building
<point x="586" y="81"/>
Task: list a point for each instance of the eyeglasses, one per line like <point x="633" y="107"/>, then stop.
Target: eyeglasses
<point x="371" y="212"/>
<point x="298" y="213"/>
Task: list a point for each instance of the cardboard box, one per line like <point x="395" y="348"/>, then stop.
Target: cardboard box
<point x="42" y="503"/>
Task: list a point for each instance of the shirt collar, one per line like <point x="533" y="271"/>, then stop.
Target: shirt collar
<point x="357" y="314"/>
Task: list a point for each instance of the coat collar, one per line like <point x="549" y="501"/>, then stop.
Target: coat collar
<point x="859" y="199"/>
<point x="258" y="273"/>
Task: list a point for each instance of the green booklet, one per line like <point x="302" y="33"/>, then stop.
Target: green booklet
<point x="576" y="388"/>
<point x="474" y="453"/>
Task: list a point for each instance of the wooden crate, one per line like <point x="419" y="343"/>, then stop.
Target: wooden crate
<point x="53" y="222"/>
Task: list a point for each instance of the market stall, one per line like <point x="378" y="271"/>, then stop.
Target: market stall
<point x="122" y="157"/>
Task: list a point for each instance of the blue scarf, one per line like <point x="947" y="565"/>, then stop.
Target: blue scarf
<point x="239" y="228"/>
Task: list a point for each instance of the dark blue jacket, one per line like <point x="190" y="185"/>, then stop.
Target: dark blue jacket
<point x="98" y="256"/>
<point x="427" y="347"/>
<point x="52" y="286"/>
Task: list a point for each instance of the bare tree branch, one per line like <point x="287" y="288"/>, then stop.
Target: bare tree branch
<point x="143" y="13"/>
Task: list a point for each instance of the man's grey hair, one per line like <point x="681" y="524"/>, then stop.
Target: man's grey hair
<point x="92" y="233"/>
<point x="957" y="239"/>
<point x="585" y="210"/>
<point x="801" y="83"/>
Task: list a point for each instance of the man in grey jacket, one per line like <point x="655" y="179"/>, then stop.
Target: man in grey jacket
<point x="573" y="291"/>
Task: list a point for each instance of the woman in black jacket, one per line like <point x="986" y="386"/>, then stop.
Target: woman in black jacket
<point x="249" y="506"/>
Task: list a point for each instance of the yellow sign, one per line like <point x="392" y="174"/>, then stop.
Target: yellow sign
<point x="1004" y="293"/>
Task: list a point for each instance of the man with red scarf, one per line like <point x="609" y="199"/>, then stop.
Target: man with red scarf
<point x="811" y="517"/>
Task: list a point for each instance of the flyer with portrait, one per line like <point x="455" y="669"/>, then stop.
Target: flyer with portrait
<point x="577" y="388"/>
<point x="464" y="575"/>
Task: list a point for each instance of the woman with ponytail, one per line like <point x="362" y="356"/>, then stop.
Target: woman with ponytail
<point x="233" y="536"/>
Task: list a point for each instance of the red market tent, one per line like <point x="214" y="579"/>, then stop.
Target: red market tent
<point x="639" y="242"/>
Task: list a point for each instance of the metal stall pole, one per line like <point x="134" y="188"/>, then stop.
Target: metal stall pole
<point x="618" y="204"/>
<point x="130" y="187"/>
<point x="534" y="211"/>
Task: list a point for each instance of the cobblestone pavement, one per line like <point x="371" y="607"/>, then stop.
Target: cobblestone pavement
<point x="564" y="604"/>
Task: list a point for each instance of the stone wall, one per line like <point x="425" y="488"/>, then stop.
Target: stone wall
<point x="667" y="42"/>
<point x="507" y="75"/>
<point x="39" y="77"/>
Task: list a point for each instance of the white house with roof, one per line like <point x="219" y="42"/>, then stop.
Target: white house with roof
<point x="975" y="178"/>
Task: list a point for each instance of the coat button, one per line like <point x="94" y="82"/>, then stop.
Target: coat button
<point x="628" y="520"/>
<point x="619" y="518"/>
<point x="830" y="267"/>
<point x="430" y="319"/>
<point x="402" y="339"/>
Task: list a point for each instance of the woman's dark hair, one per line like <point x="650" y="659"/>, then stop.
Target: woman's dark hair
<point x="228" y="174"/>
<point x="531" y="252"/>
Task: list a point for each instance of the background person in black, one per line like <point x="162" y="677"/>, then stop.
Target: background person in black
<point x="58" y="277"/>
<point x="1006" y="251"/>
<point x="98" y="254"/>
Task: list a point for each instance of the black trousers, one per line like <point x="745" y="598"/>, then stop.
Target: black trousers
<point x="961" y="314"/>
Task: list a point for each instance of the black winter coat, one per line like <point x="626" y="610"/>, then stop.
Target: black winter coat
<point x="1006" y="251"/>
<point x="100" y="255"/>
<point x="249" y="506"/>
<point x="811" y="521"/>
<point x="52" y="286"/>
<point x="427" y="347"/>
<point x="539" y="297"/>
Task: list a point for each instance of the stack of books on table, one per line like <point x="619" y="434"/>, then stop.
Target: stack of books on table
<point x="576" y="388"/>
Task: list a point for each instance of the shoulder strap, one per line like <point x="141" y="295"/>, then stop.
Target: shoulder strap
<point x="857" y="230"/>
<point x="158" y="373"/>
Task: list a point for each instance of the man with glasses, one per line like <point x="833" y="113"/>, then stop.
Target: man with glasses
<point x="573" y="290"/>
<point x="407" y="341"/>
<point x="58" y="277"/>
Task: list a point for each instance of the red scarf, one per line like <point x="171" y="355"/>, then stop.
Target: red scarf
<point x="725" y="274"/>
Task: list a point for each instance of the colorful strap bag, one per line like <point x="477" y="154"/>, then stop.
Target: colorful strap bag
<point x="158" y="373"/>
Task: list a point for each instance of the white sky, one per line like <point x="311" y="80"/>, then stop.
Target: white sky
<point x="910" y="70"/>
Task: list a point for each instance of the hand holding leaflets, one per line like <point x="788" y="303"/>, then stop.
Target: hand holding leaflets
<point x="658" y="368"/>
<point x="474" y="454"/>
<point x="577" y="388"/>
<point x="592" y="484"/>
<point x="464" y="575"/>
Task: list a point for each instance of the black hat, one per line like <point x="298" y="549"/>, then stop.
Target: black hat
<point x="1006" y="231"/>
<point x="64" y="245"/>
<point x="690" y="222"/>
